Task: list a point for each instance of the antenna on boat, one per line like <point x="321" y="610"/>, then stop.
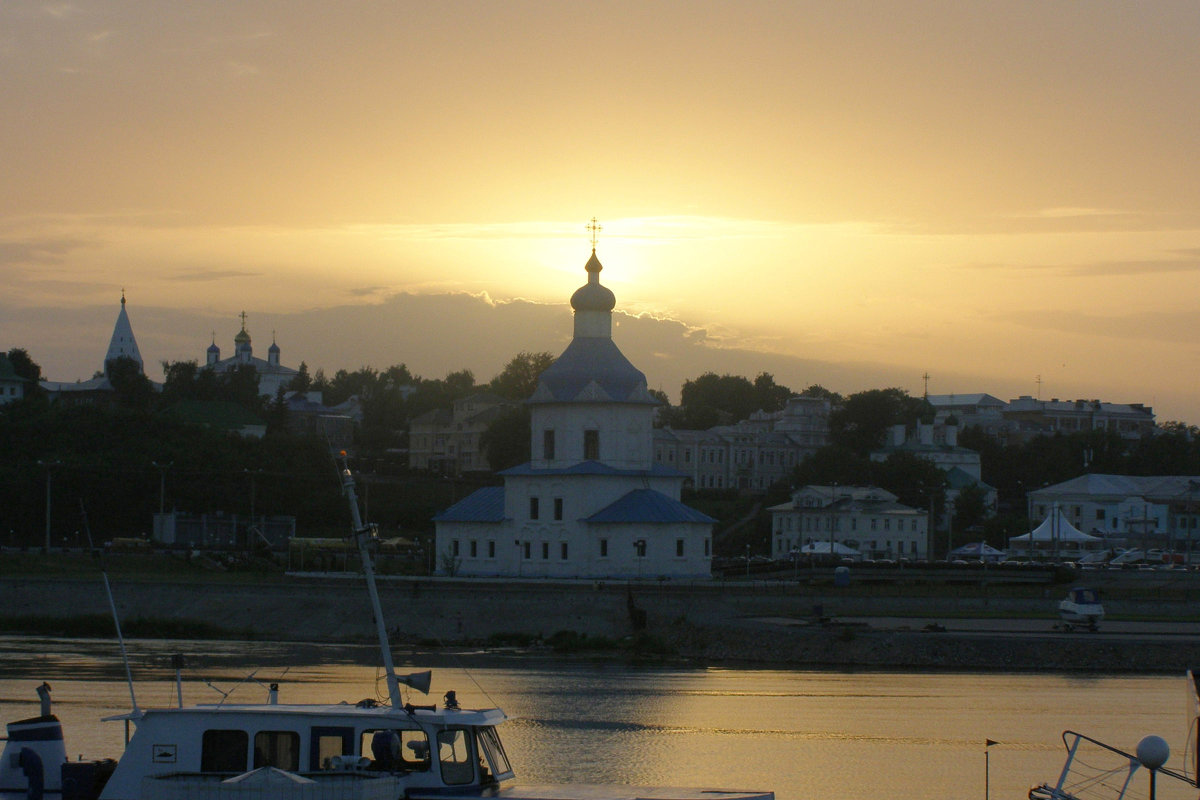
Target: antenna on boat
<point x="113" y="607"/>
<point x="362" y="534"/>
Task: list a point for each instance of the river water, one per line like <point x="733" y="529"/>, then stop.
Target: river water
<point x="804" y="734"/>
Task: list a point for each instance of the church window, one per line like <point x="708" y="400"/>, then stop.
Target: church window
<point x="474" y="548"/>
<point x="563" y="548"/>
<point x="545" y="550"/>
<point x="491" y="548"/>
<point x="454" y="547"/>
<point x="679" y="547"/>
<point x="548" y="444"/>
<point x="639" y="548"/>
<point x="604" y="548"/>
<point x="591" y="445"/>
<point x="558" y="508"/>
<point x="533" y="508"/>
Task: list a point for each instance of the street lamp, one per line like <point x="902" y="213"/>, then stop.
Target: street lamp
<point x="49" y="465"/>
<point x="162" y="482"/>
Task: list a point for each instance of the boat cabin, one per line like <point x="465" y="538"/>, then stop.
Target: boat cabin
<point x="416" y="748"/>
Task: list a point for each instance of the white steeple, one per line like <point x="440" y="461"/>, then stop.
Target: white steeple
<point x="123" y="345"/>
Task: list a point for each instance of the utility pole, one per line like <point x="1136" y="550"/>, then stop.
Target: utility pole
<point x="49" y="465"/>
<point x="162" y="483"/>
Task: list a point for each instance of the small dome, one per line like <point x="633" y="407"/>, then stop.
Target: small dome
<point x="242" y="337"/>
<point x="212" y="348"/>
<point x="592" y="296"/>
<point x="274" y="348"/>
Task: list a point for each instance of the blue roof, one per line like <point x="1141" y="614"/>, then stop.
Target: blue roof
<point x="647" y="505"/>
<point x="592" y="468"/>
<point x="482" y="505"/>
<point x="589" y="360"/>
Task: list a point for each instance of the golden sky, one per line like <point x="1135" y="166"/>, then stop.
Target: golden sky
<point x="994" y="190"/>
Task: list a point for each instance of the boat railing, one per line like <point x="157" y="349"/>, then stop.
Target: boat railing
<point x="1098" y="771"/>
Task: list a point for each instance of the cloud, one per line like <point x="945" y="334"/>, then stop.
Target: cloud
<point x="50" y="250"/>
<point x="202" y="276"/>
<point x="1180" y="260"/>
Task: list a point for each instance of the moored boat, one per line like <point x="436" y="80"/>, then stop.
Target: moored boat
<point x="369" y="750"/>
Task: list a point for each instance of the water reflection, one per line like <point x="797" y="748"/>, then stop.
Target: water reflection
<point x="803" y="734"/>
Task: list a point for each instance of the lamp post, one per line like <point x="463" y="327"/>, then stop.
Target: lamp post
<point x="162" y="482"/>
<point x="49" y="465"/>
<point x="832" y="501"/>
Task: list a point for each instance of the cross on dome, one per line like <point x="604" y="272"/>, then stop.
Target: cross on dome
<point x="594" y="228"/>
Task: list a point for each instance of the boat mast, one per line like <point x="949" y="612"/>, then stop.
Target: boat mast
<point x="362" y="534"/>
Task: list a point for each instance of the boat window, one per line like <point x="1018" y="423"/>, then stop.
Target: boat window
<point x="277" y="749"/>
<point x="224" y="751"/>
<point x="454" y="753"/>
<point x="493" y="750"/>
<point x="325" y="743"/>
<point x="397" y="749"/>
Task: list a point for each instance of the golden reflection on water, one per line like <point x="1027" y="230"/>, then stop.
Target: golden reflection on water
<point x="805" y="735"/>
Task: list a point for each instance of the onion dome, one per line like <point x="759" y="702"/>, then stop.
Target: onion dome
<point x="242" y="337"/>
<point x="592" y="296"/>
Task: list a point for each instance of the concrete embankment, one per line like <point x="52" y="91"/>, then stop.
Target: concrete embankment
<point x="710" y="622"/>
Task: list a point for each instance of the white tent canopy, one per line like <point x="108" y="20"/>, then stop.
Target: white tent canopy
<point x="981" y="551"/>
<point x="1055" y="528"/>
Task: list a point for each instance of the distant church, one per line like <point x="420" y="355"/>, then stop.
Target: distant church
<point x="592" y="503"/>
<point x="271" y="374"/>
<point x="100" y="388"/>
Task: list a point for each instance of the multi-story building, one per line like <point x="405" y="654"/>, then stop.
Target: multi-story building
<point x="12" y="385"/>
<point x="1027" y="417"/>
<point x="448" y="441"/>
<point x="1160" y="511"/>
<point x="864" y="518"/>
<point x="751" y="454"/>
<point x="970" y="410"/>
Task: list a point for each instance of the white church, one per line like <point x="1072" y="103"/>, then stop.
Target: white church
<point x="592" y="503"/>
<point x="272" y="376"/>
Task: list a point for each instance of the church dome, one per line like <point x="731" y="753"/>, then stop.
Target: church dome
<point x="274" y="348"/>
<point x="592" y="296"/>
<point x="242" y="337"/>
<point x="592" y="369"/>
<point x="212" y="348"/>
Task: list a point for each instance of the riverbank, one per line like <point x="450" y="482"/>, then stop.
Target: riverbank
<point x="766" y="623"/>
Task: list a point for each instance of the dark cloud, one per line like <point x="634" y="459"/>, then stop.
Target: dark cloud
<point x="202" y="276"/>
<point x="40" y="251"/>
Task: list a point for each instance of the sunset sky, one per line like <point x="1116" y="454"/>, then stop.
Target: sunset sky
<point x="854" y="193"/>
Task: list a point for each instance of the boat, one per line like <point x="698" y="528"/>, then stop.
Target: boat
<point x="271" y="750"/>
<point x="1081" y="608"/>
<point x="1094" y="770"/>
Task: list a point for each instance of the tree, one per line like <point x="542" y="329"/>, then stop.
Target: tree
<point x="768" y="395"/>
<point x="301" y="380"/>
<point x="132" y="387"/>
<point x="505" y="443"/>
<point x="915" y="481"/>
<point x="862" y="420"/>
<point x="519" y="378"/>
<point x="819" y="391"/>
<point x="970" y="506"/>
<point x="24" y="366"/>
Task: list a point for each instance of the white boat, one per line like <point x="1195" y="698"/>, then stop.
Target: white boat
<point x="1081" y="608"/>
<point x="280" y="751"/>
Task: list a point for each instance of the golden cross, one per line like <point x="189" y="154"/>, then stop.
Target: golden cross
<point x="594" y="228"/>
<point x="243" y="315"/>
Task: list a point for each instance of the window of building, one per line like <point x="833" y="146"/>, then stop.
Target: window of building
<point x="887" y="524"/>
<point x="679" y="547"/>
<point x="533" y="508"/>
<point x="545" y="550"/>
<point x="279" y="749"/>
<point x="707" y="547"/>
<point x="474" y="548"/>
<point x="591" y="445"/>
<point x="563" y="549"/>
<point x="491" y="548"/>
<point x="558" y="508"/>
<point x="454" y="547"/>
<point x="639" y="548"/>
<point x="223" y="751"/>
<point x="1099" y="513"/>
<point x="548" y="445"/>
<point x="604" y="548"/>
<point x="527" y="549"/>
